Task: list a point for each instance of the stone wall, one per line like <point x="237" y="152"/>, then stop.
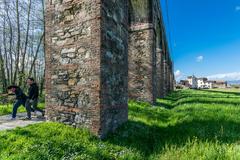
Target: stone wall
<point x="86" y="57"/>
<point x="98" y="55"/>
<point x="160" y="73"/>
<point x="172" y="80"/>
<point x="140" y="11"/>
<point x="149" y="67"/>
<point x="114" y="64"/>
<point x="141" y="66"/>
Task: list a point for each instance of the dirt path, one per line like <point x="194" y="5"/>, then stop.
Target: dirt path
<point x="6" y="123"/>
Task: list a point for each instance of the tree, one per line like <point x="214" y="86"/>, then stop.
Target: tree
<point x="21" y="41"/>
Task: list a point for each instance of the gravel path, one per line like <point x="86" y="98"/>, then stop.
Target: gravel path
<point x="6" y="123"/>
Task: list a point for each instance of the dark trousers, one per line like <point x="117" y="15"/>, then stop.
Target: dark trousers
<point x="31" y="105"/>
<point x="18" y="103"/>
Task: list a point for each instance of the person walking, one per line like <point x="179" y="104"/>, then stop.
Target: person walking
<point x="32" y="98"/>
<point x="20" y="100"/>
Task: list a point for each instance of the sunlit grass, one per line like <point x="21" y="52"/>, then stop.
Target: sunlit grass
<point x="186" y="125"/>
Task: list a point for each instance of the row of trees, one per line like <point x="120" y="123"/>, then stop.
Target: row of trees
<point x="21" y="42"/>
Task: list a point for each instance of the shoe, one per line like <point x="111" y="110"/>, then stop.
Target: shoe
<point x="27" y="118"/>
<point x="13" y="119"/>
<point x="34" y="114"/>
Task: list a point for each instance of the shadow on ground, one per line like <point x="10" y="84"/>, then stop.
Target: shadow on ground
<point x="202" y="97"/>
<point x="224" y="92"/>
<point x="149" y="137"/>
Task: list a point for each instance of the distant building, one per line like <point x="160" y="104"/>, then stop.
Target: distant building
<point x="202" y="83"/>
<point x="192" y="81"/>
<point x="220" y="84"/>
<point x="184" y="83"/>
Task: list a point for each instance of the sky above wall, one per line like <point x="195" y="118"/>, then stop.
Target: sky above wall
<point x="204" y="37"/>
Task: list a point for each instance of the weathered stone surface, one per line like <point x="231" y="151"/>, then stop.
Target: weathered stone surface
<point x="86" y="71"/>
<point x="160" y="73"/>
<point x="148" y="75"/>
<point x="141" y="65"/>
<point x="91" y="71"/>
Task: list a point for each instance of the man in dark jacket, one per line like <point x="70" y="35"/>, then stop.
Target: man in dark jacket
<point x="20" y="100"/>
<point x="32" y="98"/>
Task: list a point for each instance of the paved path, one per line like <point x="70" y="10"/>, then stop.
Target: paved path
<point x="6" y="123"/>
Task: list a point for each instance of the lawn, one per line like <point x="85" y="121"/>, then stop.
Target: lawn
<point x="188" y="124"/>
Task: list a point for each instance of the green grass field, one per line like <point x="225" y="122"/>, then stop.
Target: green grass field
<point x="186" y="125"/>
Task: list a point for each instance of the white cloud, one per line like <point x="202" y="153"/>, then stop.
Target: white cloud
<point x="199" y="59"/>
<point x="225" y="76"/>
<point x="178" y="74"/>
<point x="237" y="8"/>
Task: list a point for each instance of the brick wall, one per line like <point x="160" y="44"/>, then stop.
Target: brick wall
<point x="95" y="60"/>
<point x="141" y="65"/>
<point x="86" y="57"/>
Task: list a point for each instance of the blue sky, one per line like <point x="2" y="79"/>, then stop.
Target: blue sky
<point x="205" y="37"/>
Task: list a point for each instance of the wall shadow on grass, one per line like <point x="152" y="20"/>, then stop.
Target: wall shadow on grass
<point x="198" y="101"/>
<point x="150" y="113"/>
<point x="224" y="92"/>
<point x="177" y="98"/>
<point x="150" y="129"/>
<point x="172" y="98"/>
<point x="150" y="139"/>
<point x="165" y="105"/>
<point x="201" y="101"/>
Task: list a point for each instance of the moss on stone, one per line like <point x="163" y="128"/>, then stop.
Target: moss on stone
<point x="140" y="9"/>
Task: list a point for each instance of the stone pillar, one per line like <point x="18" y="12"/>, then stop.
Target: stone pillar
<point x="165" y="76"/>
<point x="168" y="76"/>
<point x="142" y="51"/>
<point x="172" y="82"/>
<point x="86" y="63"/>
<point x="142" y="63"/>
<point x="160" y="74"/>
<point x="171" y="77"/>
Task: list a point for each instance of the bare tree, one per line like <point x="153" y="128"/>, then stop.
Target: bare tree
<point x="25" y="45"/>
<point x="21" y="41"/>
<point x="18" y="43"/>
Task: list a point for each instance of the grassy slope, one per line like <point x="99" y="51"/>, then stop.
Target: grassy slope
<point x="186" y="125"/>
